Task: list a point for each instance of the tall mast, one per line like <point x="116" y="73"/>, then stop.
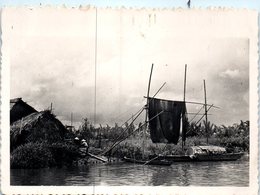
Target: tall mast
<point x="95" y="91"/>
<point x="71" y="119"/>
<point x="51" y="108"/>
<point x="146" y="114"/>
<point x="185" y="82"/>
<point x="184" y="95"/>
<point x="206" y="112"/>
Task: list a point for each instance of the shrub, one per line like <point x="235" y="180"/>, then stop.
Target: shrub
<point x="31" y="155"/>
<point x="63" y="154"/>
<point x="39" y="155"/>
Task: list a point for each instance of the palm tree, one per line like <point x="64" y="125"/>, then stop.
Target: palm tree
<point x="210" y="127"/>
<point x="194" y="129"/>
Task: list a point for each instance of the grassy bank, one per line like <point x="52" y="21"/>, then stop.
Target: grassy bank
<point x="234" y="138"/>
<point x="133" y="147"/>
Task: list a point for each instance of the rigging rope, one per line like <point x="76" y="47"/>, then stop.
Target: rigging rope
<point x="127" y="127"/>
<point x="113" y="146"/>
<point x="196" y="114"/>
<point x="118" y="137"/>
<point x="138" y="113"/>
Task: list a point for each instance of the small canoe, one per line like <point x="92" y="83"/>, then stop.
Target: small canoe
<point x="148" y="162"/>
<point x="173" y="158"/>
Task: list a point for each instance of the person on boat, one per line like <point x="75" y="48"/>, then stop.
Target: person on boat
<point x="83" y="149"/>
<point x="84" y="144"/>
<point x="76" y="141"/>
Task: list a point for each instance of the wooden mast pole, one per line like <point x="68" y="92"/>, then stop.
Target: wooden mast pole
<point x="184" y="96"/>
<point x="51" y="107"/>
<point x="185" y="82"/>
<point x="146" y="114"/>
<point x="71" y="119"/>
<point x="206" y="112"/>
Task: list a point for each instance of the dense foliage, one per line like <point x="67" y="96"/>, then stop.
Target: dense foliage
<point x="42" y="154"/>
<point x="234" y="138"/>
<point x="31" y="155"/>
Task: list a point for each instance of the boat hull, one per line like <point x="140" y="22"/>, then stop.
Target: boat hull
<point x="220" y="157"/>
<point x="200" y="157"/>
<point x="174" y="158"/>
<point x="148" y="162"/>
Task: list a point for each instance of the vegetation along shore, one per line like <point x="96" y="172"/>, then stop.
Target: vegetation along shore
<point x="44" y="148"/>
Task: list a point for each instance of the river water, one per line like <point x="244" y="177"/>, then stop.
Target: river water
<point x="234" y="173"/>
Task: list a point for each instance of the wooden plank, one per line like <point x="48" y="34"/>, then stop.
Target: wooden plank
<point x="101" y="158"/>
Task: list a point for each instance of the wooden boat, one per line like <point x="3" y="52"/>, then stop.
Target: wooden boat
<point x="212" y="153"/>
<point x="202" y="153"/>
<point x="200" y="157"/>
<point x="220" y="157"/>
<point x="173" y="158"/>
<point x="161" y="162"/>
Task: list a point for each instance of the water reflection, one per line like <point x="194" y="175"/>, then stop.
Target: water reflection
<point x="178" y="174"/>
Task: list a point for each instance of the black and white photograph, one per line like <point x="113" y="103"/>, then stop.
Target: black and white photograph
<point x="120" y="97"/>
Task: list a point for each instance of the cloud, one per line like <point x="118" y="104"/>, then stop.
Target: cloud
<point x="230" y="74"/>
<point x="51" y="63"/>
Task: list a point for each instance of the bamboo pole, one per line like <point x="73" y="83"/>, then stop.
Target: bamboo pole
<point x="121" y="135"/>
<point x="146" y="114"/>
<point x="204" y="114"/>
<point x="189" y="102"/>
<point x="184" y="95"/>
<point x="143" y="125"/>
<point x="159" y="89"/>
<point x="71" y="119"/>
<point x="95" y="90"/>
<point x="206" y="111"/>
<point x="51" y="107"/>
<point x="185" y="74"/>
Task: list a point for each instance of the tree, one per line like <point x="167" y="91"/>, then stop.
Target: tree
<point x="210" y="128"/>
<point x="194" y="129"/>
<point x="86" y="129"/>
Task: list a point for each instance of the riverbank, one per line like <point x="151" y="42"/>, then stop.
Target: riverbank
<point x="41" y="154"/>
<point x="133" y="147"/>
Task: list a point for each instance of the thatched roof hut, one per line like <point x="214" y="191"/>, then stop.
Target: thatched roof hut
<point x="19" y="109"/>
<point x="38" y="126"/>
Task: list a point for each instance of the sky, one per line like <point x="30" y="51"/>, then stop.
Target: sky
<point x="52" y="58"/>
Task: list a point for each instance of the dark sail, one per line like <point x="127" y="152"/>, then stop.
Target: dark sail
<point x="165" y="128"/>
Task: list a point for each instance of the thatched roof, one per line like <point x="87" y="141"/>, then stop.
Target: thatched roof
<point x="38" y="126"/>
<point x="19" y="109"/>
<point x="14" y="101"/>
